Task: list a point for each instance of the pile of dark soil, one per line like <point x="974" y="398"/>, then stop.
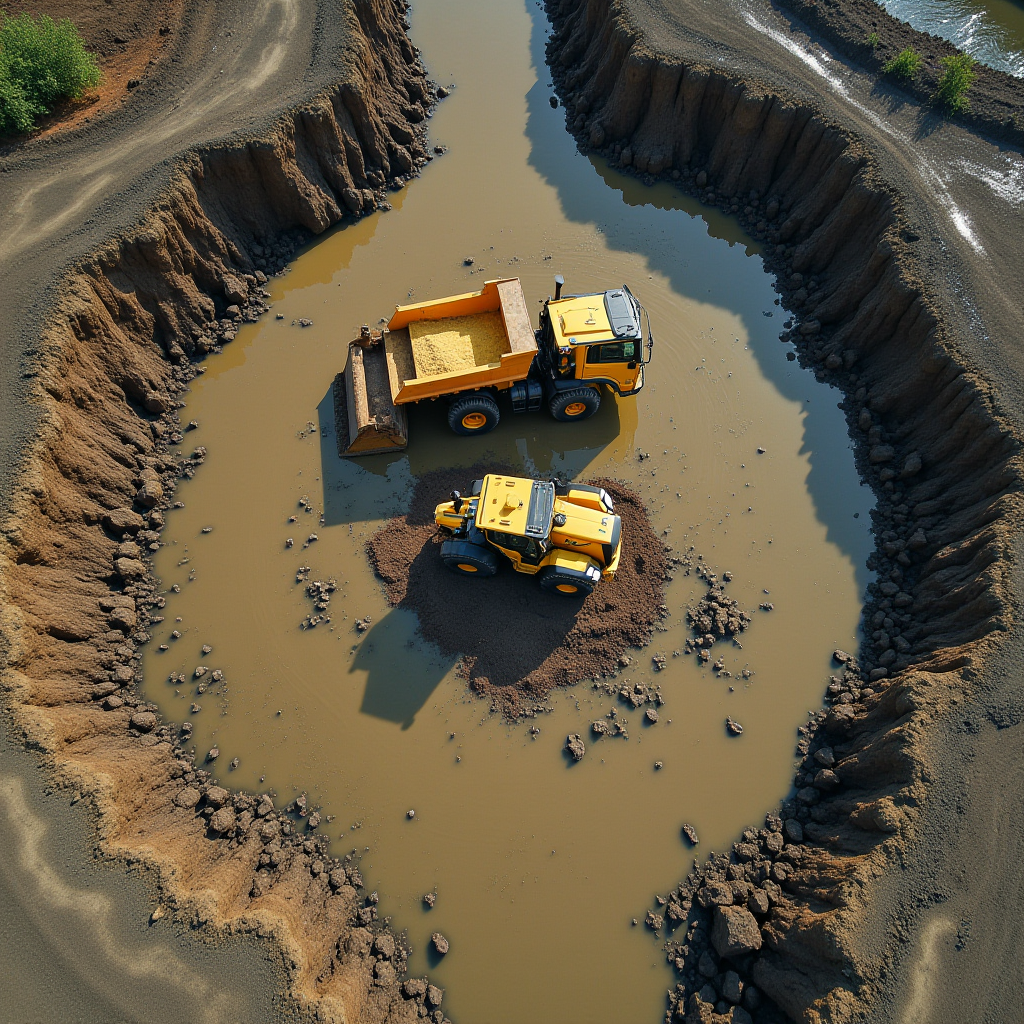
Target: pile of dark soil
<point x="517" y="641"/>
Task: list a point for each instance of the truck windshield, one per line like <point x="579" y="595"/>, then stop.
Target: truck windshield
<point x="612" y="352"/>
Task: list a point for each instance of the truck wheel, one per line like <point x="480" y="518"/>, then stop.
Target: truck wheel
<point x="565" y="584"/>
<point x="469" y="559"/>
<point x="473" y="414"/>
<point x="575" y="404"/>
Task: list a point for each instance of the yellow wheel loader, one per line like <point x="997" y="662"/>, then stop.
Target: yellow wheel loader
<point x="473" y="350"/>
<point x="568" y="536"/>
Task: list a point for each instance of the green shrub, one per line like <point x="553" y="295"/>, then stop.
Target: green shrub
<point x="41" y="63"/>
<point x="957" y="78"/>
<point x="873" y="40"/>
<point x="905" y="64"/>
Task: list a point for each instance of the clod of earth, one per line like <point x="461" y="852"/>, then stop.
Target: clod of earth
<point x="575" y="746"/>
<point x="546" y="641"/>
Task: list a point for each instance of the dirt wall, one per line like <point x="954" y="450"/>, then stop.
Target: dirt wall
<point x="776" y="924"/>
<point x="77" y="592"/>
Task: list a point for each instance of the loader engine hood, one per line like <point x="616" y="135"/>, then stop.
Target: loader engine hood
<point x="578" y="527"/>
<point x="514" y="505"/>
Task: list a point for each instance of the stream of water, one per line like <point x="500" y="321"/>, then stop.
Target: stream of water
<point x="992" y="31"/>
<point x="538" y="867"/>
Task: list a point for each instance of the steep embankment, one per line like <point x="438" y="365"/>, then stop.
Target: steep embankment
<point x="786" y="908"/>
<point x="117" y="350"/>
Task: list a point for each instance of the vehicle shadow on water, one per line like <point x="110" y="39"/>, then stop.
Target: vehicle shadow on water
<point x="669" y="229"/>
<point x="400" y="675"/>
<point x="378" y="486"/>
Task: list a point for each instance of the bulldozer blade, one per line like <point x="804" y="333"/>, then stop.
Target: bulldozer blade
<point x="366" y="419"/>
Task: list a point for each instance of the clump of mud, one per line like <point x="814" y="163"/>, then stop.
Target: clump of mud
<point x="716" y="616"/>
<point x="518" y="642"/>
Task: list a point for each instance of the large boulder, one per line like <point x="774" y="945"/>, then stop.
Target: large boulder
<point x="217" y="796"/>
<point x="735" y="932"/>
<point x="223" y="820"/>
<point x="151" y="493"/>
<point x="123" y="520"/>
<point x="123" y="618"/>
<point x="187" y="797"/>
<point x="144" y="721"/>
<point x="154" y="402"/>
<point x="129" y="568"/>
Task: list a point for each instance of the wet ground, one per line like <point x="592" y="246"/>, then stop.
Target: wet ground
<point x="538" y="867"/>
<point x="992" y="31"/>
<point x="75" y="932"/>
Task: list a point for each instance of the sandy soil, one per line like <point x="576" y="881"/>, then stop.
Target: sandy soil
<point x="540" y="641"/>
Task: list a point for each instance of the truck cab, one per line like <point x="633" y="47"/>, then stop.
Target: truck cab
<point x="593" y="339"/>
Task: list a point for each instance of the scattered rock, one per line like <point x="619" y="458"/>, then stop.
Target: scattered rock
<point x="212" y="754"/>
<point x="430" y="898"/>
<point x="793" y="830"/>
<point x="651" y="715"/>
<point x="123" y="520"/>
<point x="123" y="618"/>
<point x="414" y="988"/>
<point x="187" y="797"/>
<point x="735" y="931"/>
<point x="144" y="721"/>
<point x="574" y="745"/>
<point x="690" y="834"/>
<point x="439" y="942"/>
<point x="223" y="820"/>
<point x="733" y="727"/>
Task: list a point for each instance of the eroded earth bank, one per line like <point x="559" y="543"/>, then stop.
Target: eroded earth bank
<point x="802" y="910"/>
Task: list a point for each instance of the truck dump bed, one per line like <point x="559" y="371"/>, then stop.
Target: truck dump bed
<point x="429" y="349"/>
<point x="460" y="343"/>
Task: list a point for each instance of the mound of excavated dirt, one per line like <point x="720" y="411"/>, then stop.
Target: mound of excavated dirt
<point x="518" y="642"/>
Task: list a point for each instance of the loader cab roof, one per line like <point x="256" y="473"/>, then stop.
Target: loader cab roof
<point x="516" y="505"/>
<point x="591" y="319"/>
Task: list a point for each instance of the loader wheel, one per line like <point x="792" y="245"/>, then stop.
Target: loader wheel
<point x="469" y="559"/>
<point x="473" y="414"/>
<point x="565" y="584"/>
<point x="575" y="404"/>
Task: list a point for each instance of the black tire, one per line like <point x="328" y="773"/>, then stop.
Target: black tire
<point x="473" y="414"/>
<point x="565" y="584"/>
<point x="469" y="559"/>
<point x="575" y="404"/>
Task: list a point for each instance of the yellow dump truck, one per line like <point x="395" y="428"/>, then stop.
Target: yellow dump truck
<point x="478" y="351"/>
<point x="568" y="536"/>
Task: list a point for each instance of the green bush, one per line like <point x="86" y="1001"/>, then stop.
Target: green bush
<point x="905" y="64"/>
<point x="957" y="78"/>
<point x="41" y="63"/>
<point x="873" y="40"/>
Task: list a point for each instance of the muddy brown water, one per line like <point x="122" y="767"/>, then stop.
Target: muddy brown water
<point x="992" y="31"/>
<point x="538" y="866"/>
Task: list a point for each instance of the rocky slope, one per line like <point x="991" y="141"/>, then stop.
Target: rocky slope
<point x="776" y="924"/>
<point x="120" y="346"/>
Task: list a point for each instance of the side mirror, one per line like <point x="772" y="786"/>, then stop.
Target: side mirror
<point x="559" y="284"/>
<point x="456" y="501"/>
